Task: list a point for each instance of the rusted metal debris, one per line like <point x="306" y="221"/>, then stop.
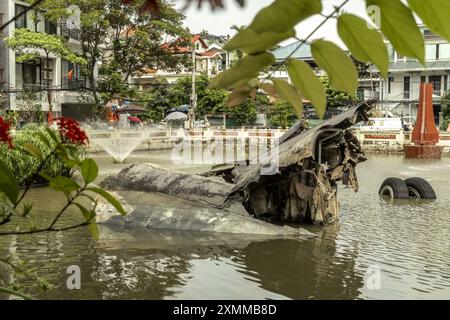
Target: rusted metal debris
<point x="304" y="188"/>
<point x="310" y="163"/>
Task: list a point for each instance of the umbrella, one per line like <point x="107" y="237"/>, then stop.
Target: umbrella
<point x="131" y="109"/>
<point x="134" y="119"/>
<point x="174" y="116"/>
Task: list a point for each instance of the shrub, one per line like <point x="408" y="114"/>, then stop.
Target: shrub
<point x="23" y="164"/>
<point x="281" y="114"/>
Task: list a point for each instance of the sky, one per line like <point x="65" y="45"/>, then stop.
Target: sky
<point x="220" y="21"/>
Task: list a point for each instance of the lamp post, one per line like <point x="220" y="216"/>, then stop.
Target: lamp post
<point x="193" y="94"/>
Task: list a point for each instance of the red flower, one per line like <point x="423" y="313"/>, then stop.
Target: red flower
<point x="70" y="130"/>
<point x="4" y="133"/>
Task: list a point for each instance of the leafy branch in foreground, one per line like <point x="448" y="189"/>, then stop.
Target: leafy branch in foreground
<point x="365" y="44"/>
<point x="70" y="136"/>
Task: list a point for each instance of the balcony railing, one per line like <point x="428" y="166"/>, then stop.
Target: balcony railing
<point x="70" y="33"/>
<point x="74" y="84"/>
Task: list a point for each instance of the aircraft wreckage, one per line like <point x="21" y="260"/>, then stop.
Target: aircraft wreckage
<point x="240" y="199"/>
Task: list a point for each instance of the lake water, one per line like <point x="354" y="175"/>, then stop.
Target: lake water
<point x="377" y="250"/>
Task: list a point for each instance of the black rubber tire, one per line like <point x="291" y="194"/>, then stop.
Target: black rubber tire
<point x="423" y="188"/>
<point x="395" y="188"/>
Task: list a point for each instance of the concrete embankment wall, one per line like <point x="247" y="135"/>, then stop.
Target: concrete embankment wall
<point x="158" y="139"/>
<point x="393" y="141"/>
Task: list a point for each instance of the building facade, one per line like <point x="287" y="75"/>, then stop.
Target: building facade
<point x="33" y="78"/>
<point x="210" y="59"/>
<point x="399" y="94"/>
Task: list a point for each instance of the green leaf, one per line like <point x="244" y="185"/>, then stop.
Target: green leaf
<point x="400" y="27"/>
<point x="435" y="14"/>
<point x="238" y="96"/>
<point x="44" y="139"/>
<point x="308" y="84"/>
<point x="251" y="42"/>
<point x="89" y="170"/>
<point x="283" y="15"/>
<point x="108" y="197"/>
<point x="33" y="150"/>
<point x="365" y="44"/>
<point x="246" y="69"/>
<point x="89" y="216"/>
<point x="52" y="134"/>
<point x="337" y="64"/>
<point x="290" y="94"/>
<point x="269" y="88"/>
<point x="64" y="184"/>
<point x="8" y="184"/>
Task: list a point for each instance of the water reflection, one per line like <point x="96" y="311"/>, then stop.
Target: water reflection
<point x="409" y="242"/>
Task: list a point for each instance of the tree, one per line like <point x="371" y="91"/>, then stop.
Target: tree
<point x="445" y="107"/>
<point x="276" y="23"/>
<point x="131" y="32"/>
<point x="235" y="27"/>
<point x="244" y="113"/>
<point x="28" y="45"/>
<point x="281" y="114"/>
<point x="157" y="101"/>
<point x="335" y="98"/>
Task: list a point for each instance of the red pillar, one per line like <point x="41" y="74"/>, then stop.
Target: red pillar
<point x="425" y="134"/>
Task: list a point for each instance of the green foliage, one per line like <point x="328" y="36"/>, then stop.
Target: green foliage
<point x="335" y="98"/>
<point x="309" y="84"/>
<point x="281" y="114"/>
<point x="337" y="64"/>
<point x="283" y="15"/>
<point x="245" y="69"/>
<point x="252" y="42"/>
<point x="399" y="26"/>
<point x="22" y="164"/>
<point x="289" y="94"/>
<point x="434" y="14"/>
<point x="244" y="113"/>
<point x="365" y="44"/>
<point x="445" y="108"/>
<point x="28" y="43"/>
<point x="212" y="101"/>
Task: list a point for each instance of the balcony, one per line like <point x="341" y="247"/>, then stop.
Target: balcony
<point x="74" y="84"/>
<point x="70" y="33"/>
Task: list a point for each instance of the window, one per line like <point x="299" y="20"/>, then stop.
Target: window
<point x="21" y="22"/>
<point x="444" y="51"/>
<point x="390" y="80"/>
<point x="47" y="72"/>
<point x="436" y="81"/>
<point x="431" y="52"/>
<point x="407" y="87"/>
<point x="27" y="74"/>
<point x="423" y="79"/>
<point x="391" y="53"/>
<point x="50" y="27"/>
<point x="445" y="83"/>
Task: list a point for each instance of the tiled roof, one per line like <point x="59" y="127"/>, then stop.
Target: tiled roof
<point x="303" y="53"/>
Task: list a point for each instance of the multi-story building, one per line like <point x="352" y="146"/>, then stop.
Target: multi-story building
<point x="209" y="59"/>
<point x="63" y="77"/>
<point x="399" y="93"/>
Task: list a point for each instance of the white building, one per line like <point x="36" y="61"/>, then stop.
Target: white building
<point x="64" y="77"/>
<point x="399" y="93"/>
